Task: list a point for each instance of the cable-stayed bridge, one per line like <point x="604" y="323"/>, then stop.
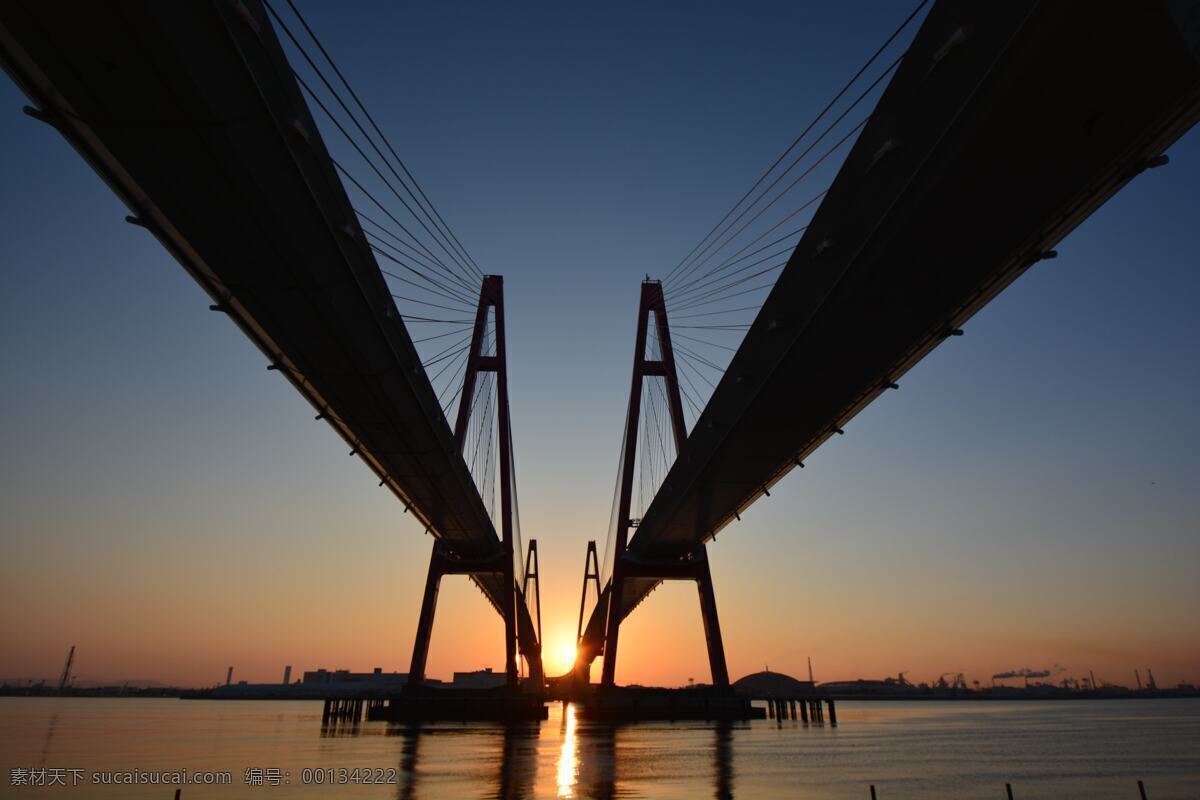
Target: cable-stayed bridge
<point x="193" y="116"/>
<point x="1003" y="127"/>
<point x="964" y="152"/>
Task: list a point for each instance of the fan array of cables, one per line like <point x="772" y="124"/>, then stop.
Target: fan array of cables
<point x="714" y="293"/>
<point x="432" y="277"/>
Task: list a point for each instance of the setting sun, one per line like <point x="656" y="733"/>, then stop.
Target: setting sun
<point x="561" y="656"/>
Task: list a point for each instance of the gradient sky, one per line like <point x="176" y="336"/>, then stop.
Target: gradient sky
<point x="1030" y="497"/>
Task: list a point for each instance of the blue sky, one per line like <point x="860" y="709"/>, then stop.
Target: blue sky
<point x="1030" y="495"/>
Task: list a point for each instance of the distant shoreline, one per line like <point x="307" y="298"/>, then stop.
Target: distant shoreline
<point x="979" y="697"/>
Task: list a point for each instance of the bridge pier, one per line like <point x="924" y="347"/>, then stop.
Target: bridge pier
<point x="445" y="562"/>
<point x="628" y="565"/>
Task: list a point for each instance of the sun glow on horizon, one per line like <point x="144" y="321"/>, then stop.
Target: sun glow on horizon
<point x="561" y="657"/>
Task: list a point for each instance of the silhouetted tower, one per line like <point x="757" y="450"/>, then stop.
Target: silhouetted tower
<point x="591" y="572"/>
<point x="287" y="675"/>
<point x="442" y="561"/>
<point x="532" y="573"/>
<point x="65" y="680"/>
<point x="229" y="676"/>
<point x="696" y="566"/>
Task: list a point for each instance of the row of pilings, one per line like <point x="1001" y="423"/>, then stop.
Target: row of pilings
<point x="812" y="709"/>
<point x="347" y="709"/>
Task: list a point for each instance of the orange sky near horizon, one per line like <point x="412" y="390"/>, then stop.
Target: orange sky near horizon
<point x="181" y="608"/>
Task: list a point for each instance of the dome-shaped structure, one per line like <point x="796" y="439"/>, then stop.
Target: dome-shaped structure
<point x="767" y="685"/>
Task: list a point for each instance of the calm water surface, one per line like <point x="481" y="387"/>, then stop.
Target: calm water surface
<point x="1079" y="749"/>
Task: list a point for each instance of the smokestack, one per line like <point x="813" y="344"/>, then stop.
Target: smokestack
<point x="287" y="675"/>
<point x="229" y="676"/>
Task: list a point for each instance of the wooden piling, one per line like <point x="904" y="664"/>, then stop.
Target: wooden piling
<point x="832" y="713"/>
<point x="1142" y="790"/>
<point x="872" y="791"/>
<point x="1008" y="789"/>
<point x="804" y="711"/>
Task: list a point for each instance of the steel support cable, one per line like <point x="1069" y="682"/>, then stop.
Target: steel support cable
<point x="412" y="251"/>
<point x="701" y="359"/>
<point x="350" y="114"/>
<point x="442" y="358"/>
<point x="489" y="474"/>
<point x="518" y="539"/>
<point x="652" y="428"/>
<point x="720" y="293"/>
<point x="375" y="126"/>
<point x="697" y="288"/>
<point x="641" y="452"/>
<point x="609" y="539"/>
<point x="459" y="309"/>
<point x="715" y="313"/>
<point x="449" y="352"/>
<point x="803" y="207"/>
<point x="793" y="165"/>
<point x="414" y="318"/>
<point x="828" y="106"/>
<point x="740" y="327"/>
<point x="451" y="274"/>
<point x="736" y="257"/>
<point x="687" y="361"/>
<point x="730" y="296"/>
<point x="695" y="402"/>
<point x="704" y="341"/>
<point x="444" y="293"/>
<point x="483" y="390"/>
<point x="796" y="182"/>
<point x="458" y="371"/>
<point x="662" y="445"/>
<point x="461" y="343"/>
<point x="452" y="332"/>
<point x="443" y="369"/>
<point x="689" y="302"/>
<point x="431" y="285"/>
<point x="452" y="382"/>
<point x="465" y="278"/>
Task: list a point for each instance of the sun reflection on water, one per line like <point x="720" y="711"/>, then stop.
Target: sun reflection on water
<point x="568" y="757"/>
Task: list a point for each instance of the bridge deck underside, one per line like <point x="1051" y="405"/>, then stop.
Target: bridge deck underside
<point x="969" y="166"/>
<point x="190" y="113"/>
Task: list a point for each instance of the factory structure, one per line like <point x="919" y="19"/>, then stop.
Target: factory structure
<point x="322" y="683"/>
